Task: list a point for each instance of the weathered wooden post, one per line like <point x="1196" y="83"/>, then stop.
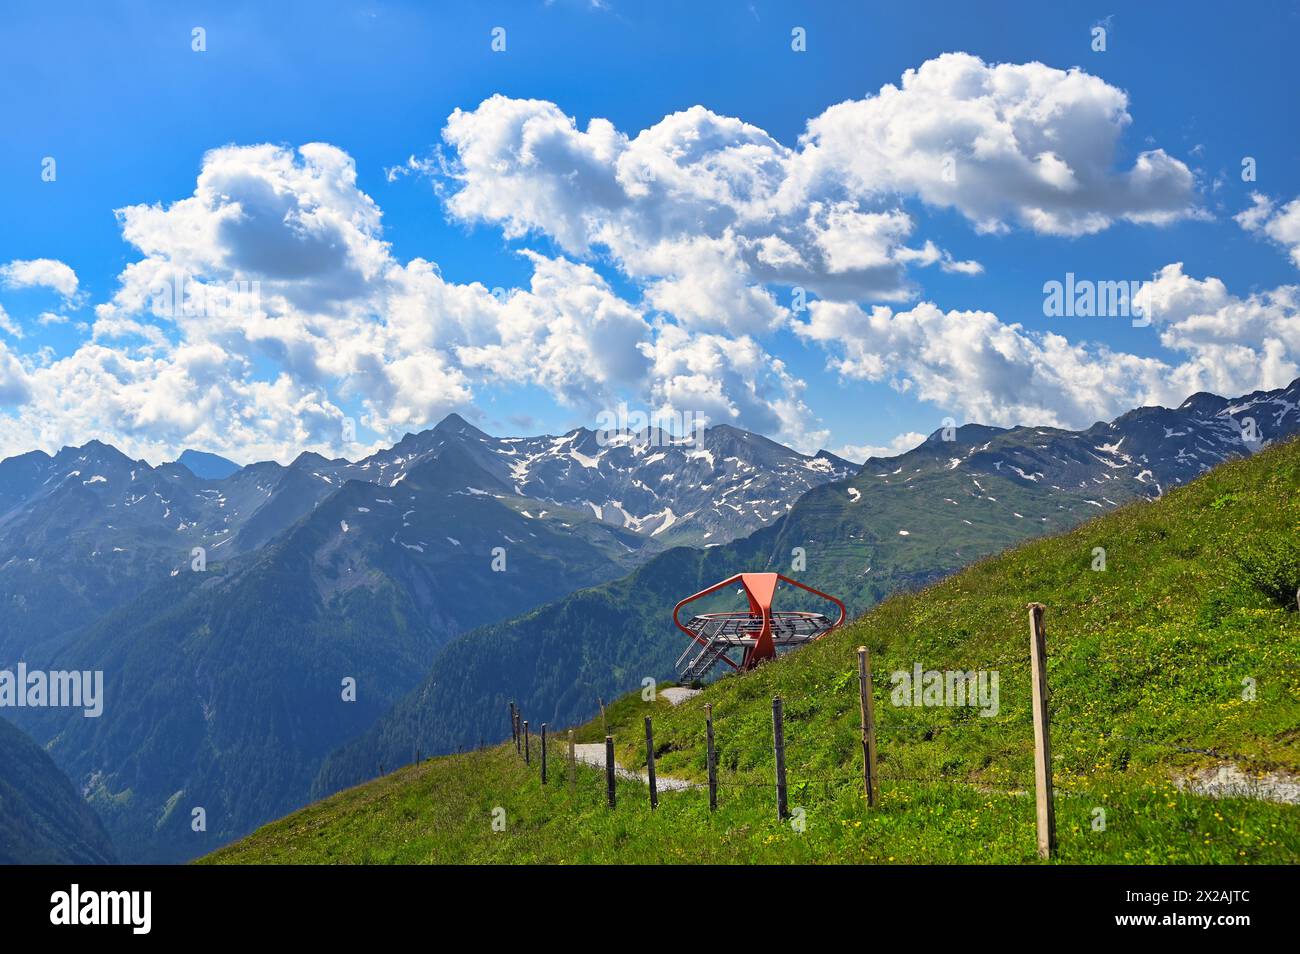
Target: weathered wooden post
<point x="514" y="725"/>
<point x="711" y="757"/>
<point x="573" y="764"/>
<point x="543" y="753"/>
<point x="650" y="763"/>
<point x="609" y="769"/>
<point x="867" y="706"/>
<point x="778" y="744"/>
<point x="1042" y="733"/>
<point x="518" y="732"/>
<point x="528" y="748"/>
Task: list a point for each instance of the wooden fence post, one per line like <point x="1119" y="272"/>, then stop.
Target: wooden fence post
<point x="778" y="744"/>
<point x="1046" y="817"/>
<point x="711" y="758"/>
<point x="514" y="726"/>
<point x="528" y="748"/>
<point x="609" y="769"/>
<point x="518" y="732"/>
<point x="543" y="753"/>
<point x="867" y="706"/>
<point x="650" y="763"/>
<point x="573" y="763"/>
<point x="604" y="725"/>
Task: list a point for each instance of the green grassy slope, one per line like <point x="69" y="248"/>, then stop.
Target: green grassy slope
<point x="1148" y="666"/>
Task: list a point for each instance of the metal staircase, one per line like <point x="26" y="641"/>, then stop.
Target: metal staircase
<point x="713" y="649"/>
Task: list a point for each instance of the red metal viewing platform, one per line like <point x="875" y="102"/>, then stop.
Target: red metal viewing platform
<point x="758" y="633"/>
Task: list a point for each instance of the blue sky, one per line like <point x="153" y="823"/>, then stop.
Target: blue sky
<point x="115" y="94"/>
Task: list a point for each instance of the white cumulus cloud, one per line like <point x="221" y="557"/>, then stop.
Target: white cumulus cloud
<point x="900" y="444"/>
<point x="973" y="364"/>
<point x="706" y="210"/>
<point x="1281" y="224"/>
<point x="1003" y="144"/>
<point x="41" y="273"/>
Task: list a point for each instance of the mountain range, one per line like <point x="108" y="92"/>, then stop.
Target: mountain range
<point x="87" y="529"/>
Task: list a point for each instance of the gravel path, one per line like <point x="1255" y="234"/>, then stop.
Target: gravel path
<point x="1229" y="781"/>
<point x="593" y="753"/>
<point x="679" y="694"/>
